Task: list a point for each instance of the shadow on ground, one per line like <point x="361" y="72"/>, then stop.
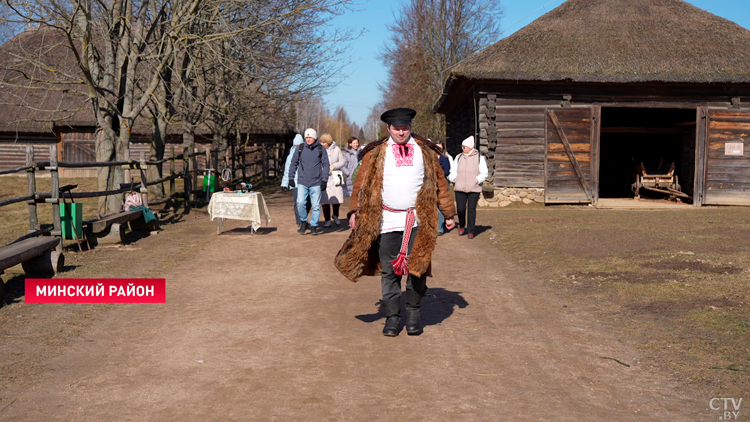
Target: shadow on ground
<point x="437" y="306"/>
<point x="249" y="231"/>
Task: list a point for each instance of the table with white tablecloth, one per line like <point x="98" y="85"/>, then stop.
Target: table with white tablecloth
<point x="238" y="206"/>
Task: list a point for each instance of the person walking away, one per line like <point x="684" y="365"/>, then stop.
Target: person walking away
<point x="298" y="140"/>
<point x="446" y="162"/>
<point x="351" y="156"/>
<point x="393" y="215"/>
<point x="333" y="195"/>
<point x="468" y="173"/>
<point x="310" y="165"/>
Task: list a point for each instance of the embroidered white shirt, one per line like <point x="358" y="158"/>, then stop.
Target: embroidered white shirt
<point x="402" y="178"/>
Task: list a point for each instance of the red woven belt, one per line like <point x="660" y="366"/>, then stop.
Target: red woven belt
<point x="401" y="263"/>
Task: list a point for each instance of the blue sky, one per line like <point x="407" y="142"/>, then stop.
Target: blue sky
<point x="359" y="92"/>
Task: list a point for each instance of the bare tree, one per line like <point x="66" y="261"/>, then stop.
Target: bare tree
<point x="189" y="58"/>
<point x="428" y="37"/>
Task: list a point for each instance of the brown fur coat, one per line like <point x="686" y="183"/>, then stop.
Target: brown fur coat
<point x="359" y="254"/>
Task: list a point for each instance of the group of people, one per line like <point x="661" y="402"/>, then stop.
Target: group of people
<point x="400" y="202"/>
<point x="319" y="176"/>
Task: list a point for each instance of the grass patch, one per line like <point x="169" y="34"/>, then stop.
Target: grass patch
<point x="675" y="282"/>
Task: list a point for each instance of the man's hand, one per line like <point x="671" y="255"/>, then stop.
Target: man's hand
<point x="323" y="185"/>
<point x="450" y="223"/>
<point x="292" y="185"/>
<point x="284" y="188"/>
<point x="353" y="221"/>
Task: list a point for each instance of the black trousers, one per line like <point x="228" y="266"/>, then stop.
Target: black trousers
<point x="389" y="244"/>
<point x="327" y="211"/>
<point x="462" y="199"/>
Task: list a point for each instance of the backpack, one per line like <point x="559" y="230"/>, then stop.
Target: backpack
<point x="300" y="146"/>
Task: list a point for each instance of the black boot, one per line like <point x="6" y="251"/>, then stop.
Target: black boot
<point x="413" y="311"/>
<point x="302" y="227"/>
<point x="392" y="316"/>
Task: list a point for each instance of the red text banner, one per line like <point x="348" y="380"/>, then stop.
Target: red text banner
<point x="96" y="290"/>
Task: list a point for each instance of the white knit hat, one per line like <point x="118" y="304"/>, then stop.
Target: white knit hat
<point x="311" y="133"/>
<point x="468" y="142"/>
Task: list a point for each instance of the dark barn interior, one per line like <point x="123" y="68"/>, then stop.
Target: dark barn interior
<point x="656" y="137"/>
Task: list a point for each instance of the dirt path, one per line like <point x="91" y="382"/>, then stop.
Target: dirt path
<point x="264" y="328"/>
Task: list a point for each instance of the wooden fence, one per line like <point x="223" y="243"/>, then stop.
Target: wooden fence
<point x="264" y="163"/>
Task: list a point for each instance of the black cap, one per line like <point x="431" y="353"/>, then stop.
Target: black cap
<point x="398" y="116"/>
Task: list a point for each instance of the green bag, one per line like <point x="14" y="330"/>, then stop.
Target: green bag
<point x="71" y="217"/>
<point x="211" y="185"/>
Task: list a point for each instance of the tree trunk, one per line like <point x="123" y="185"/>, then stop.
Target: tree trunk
<point x="158" y="143"/>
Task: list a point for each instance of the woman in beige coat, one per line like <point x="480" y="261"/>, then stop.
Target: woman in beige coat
<point x="333" y="196"/>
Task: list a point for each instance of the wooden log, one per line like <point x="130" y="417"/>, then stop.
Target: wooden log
<point x="115" y="234"/>
<point x="18" y="252"/>
<point x="54" y="175"/>
<point x="31" y="185"/>
<point x="119" y="218"/>
<point x="48" y="263"/>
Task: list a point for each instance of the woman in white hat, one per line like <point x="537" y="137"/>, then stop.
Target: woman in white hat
<point x="468" y="172"/>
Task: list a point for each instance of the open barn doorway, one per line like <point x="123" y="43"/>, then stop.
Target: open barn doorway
<point x="653" y="137"/>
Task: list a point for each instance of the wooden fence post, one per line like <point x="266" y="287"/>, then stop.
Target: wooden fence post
<point x="194" y="167"/>
<point x="31" y="182"/>
<point x="56" y="222"/>
<point x="127" y="168"/>
<point x="144" y="179"/>
<point x="234" y="158"/>
<point x="171" y="173"/>
<point x="186" y="177"/>
<point x="244" y="163"/>
<point x="263" y="162"/>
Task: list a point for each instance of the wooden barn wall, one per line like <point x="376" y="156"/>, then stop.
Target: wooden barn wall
<point x="727" y="177"/>
<point x="459" y="126"/>
<point x="563" y="184"/>
<point x="518" y="153"/>
<point x="13" y="155"/>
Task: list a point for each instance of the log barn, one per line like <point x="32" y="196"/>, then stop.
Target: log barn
<point x="574" y="102"/>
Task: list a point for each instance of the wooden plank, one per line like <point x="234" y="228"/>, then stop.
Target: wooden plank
<point x="538" y="117"/>
<point x="571" y="155"/>
<point x="729" y="125"/>
<point x="519" y="125"/>
<point x="18" y="252"/>
<point x="563" y="157"/>
<point x="576" y="136"/>
<point x="521" y="141"/>
<point x="515" y="110"/>
<point x="577" y="147"/>
<point x="123" y="217"/>
<point x="730" y="184"/>
<point x="520" y="133"/>
<point x="726" y="198"/>
<point x="727" y="136"/>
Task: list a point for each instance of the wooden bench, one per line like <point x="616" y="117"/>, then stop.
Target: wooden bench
<point x="37" y="255"/>
<point x="111" y="229"/>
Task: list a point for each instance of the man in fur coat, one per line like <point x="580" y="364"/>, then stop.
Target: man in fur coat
<point x="394" y="216"/>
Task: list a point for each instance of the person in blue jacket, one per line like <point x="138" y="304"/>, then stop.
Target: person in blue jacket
<point x="310" y="167"/>
<point x="285" y="180"/>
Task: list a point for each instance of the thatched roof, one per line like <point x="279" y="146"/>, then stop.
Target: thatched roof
<point x="618" y="41"/>
<point x="41" y="88"/>
<point x="35" y="88"/>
